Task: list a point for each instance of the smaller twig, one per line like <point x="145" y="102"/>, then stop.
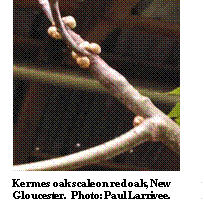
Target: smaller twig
<point x="65" y="31"/>
<point x="108" y="163"/>
<point x="46" y="8"/>
<point x="103" y="152"/>
<point x="70" y="37"/>
<point x="75" y="80"/>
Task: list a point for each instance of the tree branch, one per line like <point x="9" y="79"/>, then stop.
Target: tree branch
<point x="103" y="152"/>
<point x="156" y="126"/>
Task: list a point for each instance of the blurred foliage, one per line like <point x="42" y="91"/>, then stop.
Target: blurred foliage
<point x="175" y="112"/>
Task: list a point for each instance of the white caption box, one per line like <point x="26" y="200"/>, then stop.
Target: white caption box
<point x="101" y="189"/>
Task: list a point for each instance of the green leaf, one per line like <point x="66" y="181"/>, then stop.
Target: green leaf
<point x="175" y="113"/>
<point x="177" y="120"/>
<point x="175" y="92"/>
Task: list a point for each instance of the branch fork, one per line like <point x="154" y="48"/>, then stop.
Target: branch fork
<point x="151" y="124"/>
